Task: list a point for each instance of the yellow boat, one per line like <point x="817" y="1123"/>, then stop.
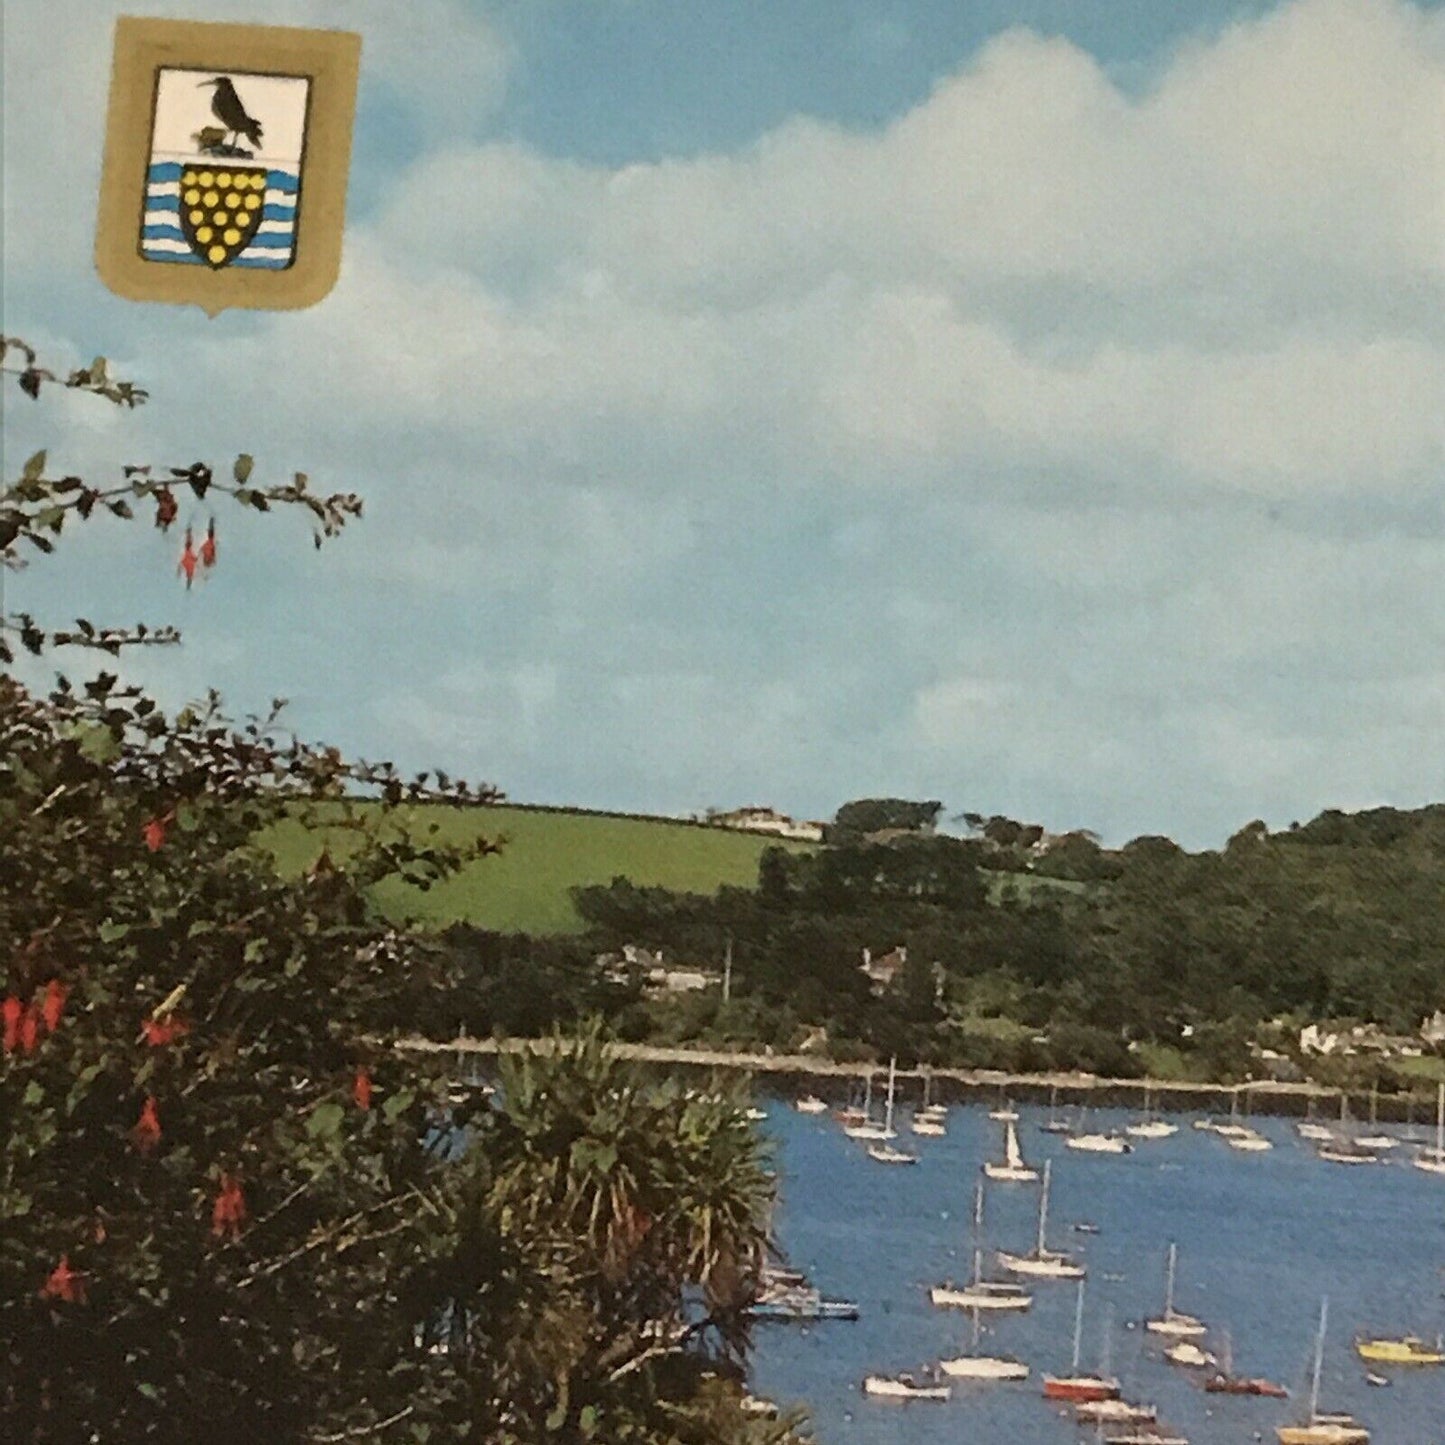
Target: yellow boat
<point x="1408" y="1351"/>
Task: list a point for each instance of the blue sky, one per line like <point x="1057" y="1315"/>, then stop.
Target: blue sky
<point x="1038" y="406"/>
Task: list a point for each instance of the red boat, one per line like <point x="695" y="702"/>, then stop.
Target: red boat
<point x="1239" y="1385"/>
<point x="1078" y="1388"/>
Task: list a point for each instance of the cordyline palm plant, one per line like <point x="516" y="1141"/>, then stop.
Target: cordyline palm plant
<point x="224" y="1214"/>
<point x="636" y="1215"/>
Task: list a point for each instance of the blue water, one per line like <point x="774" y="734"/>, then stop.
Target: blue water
<point x="1261" y="1238"/>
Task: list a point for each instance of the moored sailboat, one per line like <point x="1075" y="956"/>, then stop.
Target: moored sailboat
<point x="1174" y="1322"/>
<point x="1013" y="1169"/>
<point x="1148" y="1127"/>
<point x="867" y="1128"/>
<point x="907" y="1386"/>
<point x="1432" y="1161"/>
<point x="973" y="1365"/>
<point x="1225" y="1382"/>
<point x="1317" y="1428"/>
<point x="1043" y="1263"/>
<point x="981" y="1293"/>
<point x="1076" y="1387"/>
<point x="881" y="1151"/>
<point x="1055" y="1124"/>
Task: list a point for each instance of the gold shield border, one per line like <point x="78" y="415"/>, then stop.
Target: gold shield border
<point x="329" y="59"/>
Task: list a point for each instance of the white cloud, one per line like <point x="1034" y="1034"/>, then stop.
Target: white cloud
<point x="1049" y="449"/>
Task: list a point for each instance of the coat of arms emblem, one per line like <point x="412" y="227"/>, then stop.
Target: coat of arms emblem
<point x="223" y="187"/>
<point x="225" y="172"/>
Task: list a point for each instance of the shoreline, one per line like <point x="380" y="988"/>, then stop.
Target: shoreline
<point x="960" y="1085"/>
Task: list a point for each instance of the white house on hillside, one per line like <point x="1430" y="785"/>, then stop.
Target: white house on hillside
<point x="768" y="820"/>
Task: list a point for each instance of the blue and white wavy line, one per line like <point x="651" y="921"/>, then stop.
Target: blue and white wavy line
<point x="271" y="246"/>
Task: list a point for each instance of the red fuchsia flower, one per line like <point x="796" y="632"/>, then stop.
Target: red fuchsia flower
<point x="146" y="1133"/>
<point x="160" y="1032"/>
<point x="208" y="547"/>
<point x="29" y="1031"/>
<point x="155" y="831"/>
<point x="11" y="1011"/>
<point x="187" y="565"/>
<point x="51" y="1009"/>
<point x="361" y="1089"/>
<point x="228" y="1213"/>
<point x="64" y="1283"/>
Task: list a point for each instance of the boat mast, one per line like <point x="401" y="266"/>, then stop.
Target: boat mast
<point x="868" y="1098"/>
<point x="1043" y="1208"/>
<point x="1169" y="1282"/>
<point x="888" y="1110"/>
<point x="1078" y="1328"/>
<point x="978" y="1206"/>
<point x="1440" y="1125"/>
<point x="1319" y="1361"/>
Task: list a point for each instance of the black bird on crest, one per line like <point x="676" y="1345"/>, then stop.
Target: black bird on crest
<point x="227" y="108"/>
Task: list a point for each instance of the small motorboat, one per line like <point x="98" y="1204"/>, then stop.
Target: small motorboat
<point x="1083" y="1226"/>
<point x="810" y="1104"/>
<point x="1371" y="1378"/>
<point x="1147" y="1435"/>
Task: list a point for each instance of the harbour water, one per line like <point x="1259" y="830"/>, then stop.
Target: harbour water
<point x="1261" y="1237"/>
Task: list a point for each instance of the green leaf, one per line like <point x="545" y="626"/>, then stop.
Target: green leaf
<point x="587" y="1421"/>
<point x="558" y="1418"/>
<point x="148" y="1390"/>
<point x="34" y="467"/>
<point x="33" y="1094"/>
<point x="242" y="469"/>
<point x="325" y="1120"/>
<point x="397" y="1104"/>
<point x="112" y="932"/>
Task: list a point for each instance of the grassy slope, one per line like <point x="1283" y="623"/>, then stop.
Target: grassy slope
<point x="526" y="887"/>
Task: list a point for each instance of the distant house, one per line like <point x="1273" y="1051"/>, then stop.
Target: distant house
<point x="882" y="971"/>
<point x="1433" y="1029"/>
<point x="1361" y="1039"/>
<point x="679" y="980"/>
<point x="770" y="821"/>
<point x="1315" y="1040"/>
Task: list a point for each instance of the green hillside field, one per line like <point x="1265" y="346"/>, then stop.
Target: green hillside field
<point x="546" y="853"/>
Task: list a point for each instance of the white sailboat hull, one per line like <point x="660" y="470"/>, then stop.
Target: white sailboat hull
<point x="969" y="1297"/>
<point x="883" y="1388"/>
<point x="1151" y="1129"/>
<point x="929" y="1128"/>
<point x="811" y="1105"/>
<point x="1097" y="1144"/>
<point x="1318" y="1132"/>
<point x="984" y="1367"/>
<point x="1179" y="1327"/>
<point x="870" y="1131"/>
<point x="1035" y="1266"/>
<point x="883" y="1154"/>
<point x="1011" y="1173"/>
<point x="1189" y="1355"/>
<point x="1249" y="1143"/>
